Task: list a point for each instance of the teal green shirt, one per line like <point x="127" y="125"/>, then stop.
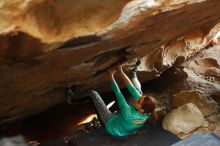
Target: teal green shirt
<point x="128" y="120"/>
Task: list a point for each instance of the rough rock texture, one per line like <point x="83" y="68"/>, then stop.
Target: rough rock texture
<point x="184" y="97"/>
<point x="55" y="21"/>
<point x="214" y="122"/>
<point x="204" y="70"/>
<point x="46" y="44"/>
<point x="184" y="119"/>
<point x="195" y="80"/>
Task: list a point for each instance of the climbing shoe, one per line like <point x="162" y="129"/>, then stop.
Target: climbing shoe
<point x="133" y="68"/>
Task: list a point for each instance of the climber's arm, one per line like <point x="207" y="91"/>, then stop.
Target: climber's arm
<point x="120" y="98"/>
<point x="135" y="94"/>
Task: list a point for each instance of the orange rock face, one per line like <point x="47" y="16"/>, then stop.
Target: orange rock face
<point x="45" y="45"/>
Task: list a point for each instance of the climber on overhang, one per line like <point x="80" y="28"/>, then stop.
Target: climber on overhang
<point x="130" y="117"/>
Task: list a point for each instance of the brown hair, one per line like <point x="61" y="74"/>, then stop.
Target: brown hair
<point x="149" y="104"/>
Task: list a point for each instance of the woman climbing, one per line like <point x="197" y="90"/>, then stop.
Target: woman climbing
<point x="130" y="117"/>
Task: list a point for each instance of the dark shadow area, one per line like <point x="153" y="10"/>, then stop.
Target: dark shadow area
<point x="54" y="123"/>
<point x="50" y="127"/>
<point x="80" y="41"/>
<point x="150" y="135"/>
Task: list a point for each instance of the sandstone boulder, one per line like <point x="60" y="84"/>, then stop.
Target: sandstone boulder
<point x="184" y="119"/>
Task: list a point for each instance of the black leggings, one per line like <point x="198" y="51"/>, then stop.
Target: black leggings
<point x="103" y="112"/>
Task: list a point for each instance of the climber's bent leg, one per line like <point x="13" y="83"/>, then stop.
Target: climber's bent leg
<point x="103" y="112"/>
<point x="133" y="76"/>
<point x="135" y="81"/>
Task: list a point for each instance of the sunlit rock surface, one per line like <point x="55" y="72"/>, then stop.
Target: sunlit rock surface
<point x="45" y="45"/>
<point x="184" y="119"/>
